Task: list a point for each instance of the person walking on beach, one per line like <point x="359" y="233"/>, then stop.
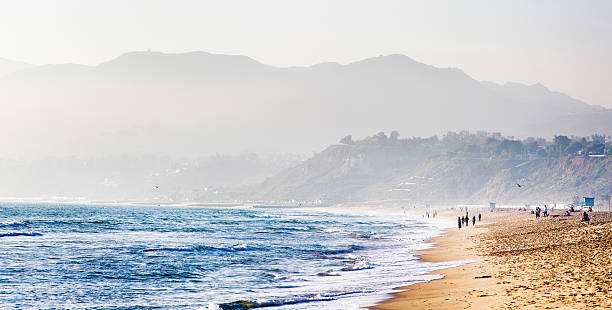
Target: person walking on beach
<point x="545" y="210"/>
<point x="459" y="222"/>
<point x="479" y="215"/>
<point x="474" y="220"/>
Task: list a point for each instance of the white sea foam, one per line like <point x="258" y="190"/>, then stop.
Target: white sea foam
<point x="207" y="256"/>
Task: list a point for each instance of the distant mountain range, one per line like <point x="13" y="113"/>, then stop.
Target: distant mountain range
<point x="201" y="103"/>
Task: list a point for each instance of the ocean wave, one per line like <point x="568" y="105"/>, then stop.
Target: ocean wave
<point x="177" y="255"/>
<point x="233" y="248"/>
<point x="354" y="263"/>
<point x="202" y="248"/>
<point x="348" y="250"/>
<point x="290" y="229"/>
<point x="196" y="229"/>
<point x="58" y="222"/>
<point x="273" y="277"/>
<point x="139" y="276"/>
<point x="169" y="250"/>
<point x="328" y="273"/>
<point x="73" y="222"/>
<point x="16" y="234"/>
<point x="12" y="224"/>
<point x="360" y="265"/>
<point x="370" y="235"/>
<point x="97" y="222"/>
<point x="247" y="304"/>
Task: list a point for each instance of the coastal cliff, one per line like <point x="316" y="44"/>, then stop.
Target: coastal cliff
<point x="424" y="171"/>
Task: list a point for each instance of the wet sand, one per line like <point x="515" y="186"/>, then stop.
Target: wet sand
<point x="520" y="262"/>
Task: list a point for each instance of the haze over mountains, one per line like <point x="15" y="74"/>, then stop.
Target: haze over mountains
<point x="199" y="103"/>
<point x="9" y="66"/>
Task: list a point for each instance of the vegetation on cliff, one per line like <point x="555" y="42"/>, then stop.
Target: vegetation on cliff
<point x="459" y="167"/>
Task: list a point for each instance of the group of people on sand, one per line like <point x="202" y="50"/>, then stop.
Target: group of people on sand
<point x="585" y="215"/>
<point x="433" y="214"/>
<point x="465" y="220"/>
<point x="538" y="210"/>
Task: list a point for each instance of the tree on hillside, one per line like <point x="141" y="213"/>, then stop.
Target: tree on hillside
<point x="348" y="140"/>
<point x="574" y="147"/>
<point x="381" y="137"/>
<point x="598" y="138"/>
<point x="561" y="143"/>
<point x="542" y="153"/>
<point x="595" y="148"/>
<point x="511" y="146"/>
<point x="394" y="135"/>
<point x="531" y="145"/>
<point x="491" y="145"/>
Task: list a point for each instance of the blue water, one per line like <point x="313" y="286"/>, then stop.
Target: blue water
<point x="57" y="256"/>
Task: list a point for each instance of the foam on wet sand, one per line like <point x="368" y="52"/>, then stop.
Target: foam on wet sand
<point x="520" y="262"/>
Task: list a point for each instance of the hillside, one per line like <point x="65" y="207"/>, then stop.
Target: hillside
<point x="442" y="171"/>
<point x="340" y="172"/>
<point x="178" y="104"/>
<point x="551" y="179"/>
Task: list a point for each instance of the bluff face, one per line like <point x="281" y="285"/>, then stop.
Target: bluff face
<point x="425" y="173"/>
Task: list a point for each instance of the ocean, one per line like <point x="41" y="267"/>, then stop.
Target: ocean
<point x="84" y="256"/>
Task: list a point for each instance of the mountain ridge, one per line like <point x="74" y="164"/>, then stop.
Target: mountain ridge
<point x="198" y="94"/>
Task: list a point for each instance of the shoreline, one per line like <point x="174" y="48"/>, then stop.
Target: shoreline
<point x="458" y="283"/>
<point x="520" y="262"/>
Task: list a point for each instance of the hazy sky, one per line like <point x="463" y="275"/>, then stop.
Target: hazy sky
<point x="565" y="45"/>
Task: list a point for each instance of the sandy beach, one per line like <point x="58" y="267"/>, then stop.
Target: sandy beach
<point x="519" y="262"/>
